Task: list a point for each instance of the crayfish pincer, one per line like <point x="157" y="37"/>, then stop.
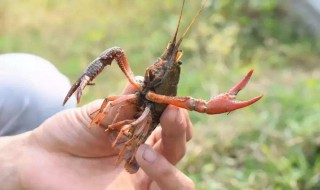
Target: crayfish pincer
<point x="152" y="96"/>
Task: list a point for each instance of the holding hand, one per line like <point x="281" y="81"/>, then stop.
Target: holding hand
<point x="63" y="153"/>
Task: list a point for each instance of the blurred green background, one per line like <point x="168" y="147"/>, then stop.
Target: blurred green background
<point x="273" y="144"/>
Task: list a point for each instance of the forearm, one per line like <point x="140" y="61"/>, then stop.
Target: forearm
<point x="11" y="154"/>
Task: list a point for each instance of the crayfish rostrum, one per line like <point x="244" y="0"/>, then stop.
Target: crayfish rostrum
<point x="152" y="96"/>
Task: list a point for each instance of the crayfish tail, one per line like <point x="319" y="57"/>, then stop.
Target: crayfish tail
<point x="131" y="166"/>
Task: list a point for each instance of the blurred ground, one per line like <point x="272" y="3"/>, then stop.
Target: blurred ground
<point x="273" y="144"/>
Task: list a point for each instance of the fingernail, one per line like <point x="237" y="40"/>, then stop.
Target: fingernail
<point x="148" y="154"/>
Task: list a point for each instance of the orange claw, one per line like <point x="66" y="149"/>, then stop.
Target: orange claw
<point x="241" y="84"/>
<point x="226" y="102"/>
<point x="221" y="103"/>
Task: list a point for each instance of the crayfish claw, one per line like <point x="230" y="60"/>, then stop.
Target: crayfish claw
<point x="71" y="91"/>
<point x="78" y="86"/>
<point x="226" y="102"/>
<point x="236" y="89"/>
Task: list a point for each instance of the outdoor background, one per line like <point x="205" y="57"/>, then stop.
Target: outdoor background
<point x="273" y="144"/>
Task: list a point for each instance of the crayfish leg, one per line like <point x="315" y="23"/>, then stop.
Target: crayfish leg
<point x="108" y="104"/>
<point x="134" y="125"/>
<point x="119" y="125"/>
<point x="130" y="137"/>
<point x="119" y="112"/>
<point x="103" y="105"/>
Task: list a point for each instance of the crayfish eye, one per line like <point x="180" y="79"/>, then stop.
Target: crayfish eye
<point x="180" y="62"/>
<point x="178" y="55"/>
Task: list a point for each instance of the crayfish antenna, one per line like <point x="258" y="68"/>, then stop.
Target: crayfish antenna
<point x="191" y="23"/>
<point x="179" y="21"/>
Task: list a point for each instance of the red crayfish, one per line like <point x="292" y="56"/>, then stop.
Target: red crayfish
<point x="152" y="96"/>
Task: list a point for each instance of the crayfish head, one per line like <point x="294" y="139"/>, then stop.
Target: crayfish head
<point x="172" y="54"/>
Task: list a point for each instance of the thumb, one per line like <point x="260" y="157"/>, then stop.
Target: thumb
<point x="161" y="171"/>
<point x="68" y="131"/>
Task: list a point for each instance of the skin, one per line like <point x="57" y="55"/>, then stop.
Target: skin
<point x="63" y="153"/>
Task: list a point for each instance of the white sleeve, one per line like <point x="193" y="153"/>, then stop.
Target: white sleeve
<point x="31" y="90"/>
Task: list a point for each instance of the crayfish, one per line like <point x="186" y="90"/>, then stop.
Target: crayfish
<point x="153" y="94"/>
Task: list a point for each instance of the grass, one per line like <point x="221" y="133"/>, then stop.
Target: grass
<point x="273" y="144"/>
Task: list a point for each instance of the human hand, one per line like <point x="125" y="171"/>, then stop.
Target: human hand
<point x="64" y="154"/>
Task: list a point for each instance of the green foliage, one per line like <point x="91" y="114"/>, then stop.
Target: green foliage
<point x="273" y="144"/>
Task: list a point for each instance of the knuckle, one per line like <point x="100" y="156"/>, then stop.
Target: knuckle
<point x="189" y="136"/>
<point x="178" y="154"/>
<point x="189" y="185"/>
<point x="181" y="124"/>
<point x="181" y="154"/>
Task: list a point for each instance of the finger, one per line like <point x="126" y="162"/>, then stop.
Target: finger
<point x="179" y="122"/>
<point x="73" y="125"/>
<point x="156" y="134"/>
<point x="174" y="134"/>
<point x="161" y="171"/>
<point x="68" y="131"/>
<point x="154" y="137"/>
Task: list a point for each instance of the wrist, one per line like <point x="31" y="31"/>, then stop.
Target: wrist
<point x="11" y="155"/>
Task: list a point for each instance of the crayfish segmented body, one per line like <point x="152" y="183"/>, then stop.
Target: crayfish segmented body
<point x="158" y="90"/>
